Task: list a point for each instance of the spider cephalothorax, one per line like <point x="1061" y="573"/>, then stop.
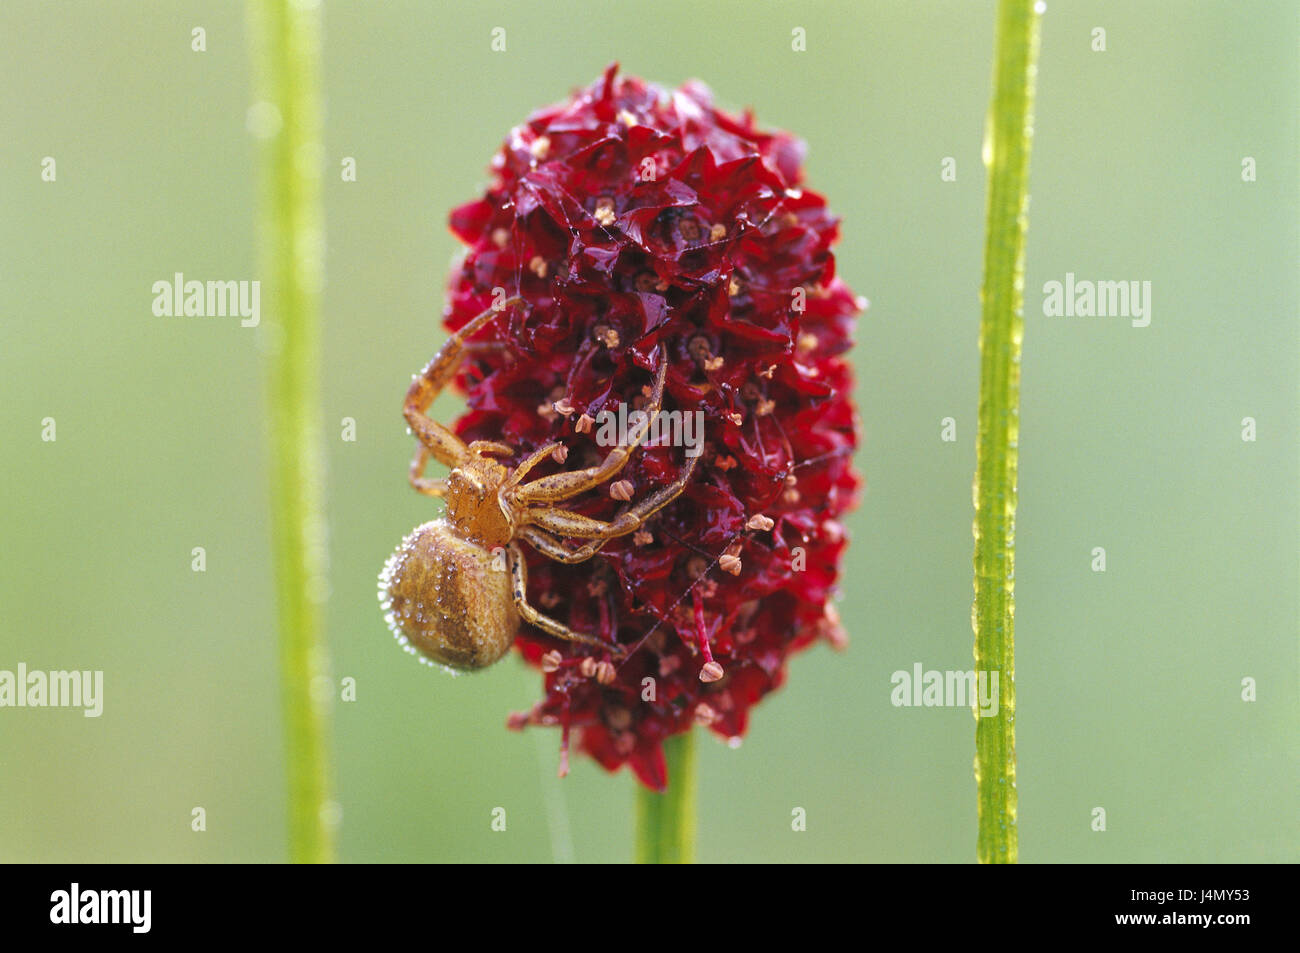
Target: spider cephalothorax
<point x="456" y="588"/>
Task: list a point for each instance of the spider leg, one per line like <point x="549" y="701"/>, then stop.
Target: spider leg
<point x="552" y="548"/>
<point x="562" y="486"/>
<point x="566" y="523"/>
<point x="534" y="458"/>
<point x="480" y="447"/>
<point x="423" y="484"/>
<point x="445" y="446"/>
<point x="519" y="588"/>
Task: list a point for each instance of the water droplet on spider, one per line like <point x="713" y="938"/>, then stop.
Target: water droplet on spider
<point x="735" y="741"/>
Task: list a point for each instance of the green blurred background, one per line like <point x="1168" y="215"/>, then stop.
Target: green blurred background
<point x="1129" y="681"/>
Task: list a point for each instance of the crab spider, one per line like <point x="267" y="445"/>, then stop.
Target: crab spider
<point x="443" y="588"/>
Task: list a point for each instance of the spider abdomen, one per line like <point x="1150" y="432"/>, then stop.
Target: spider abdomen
<point x="448" y="599"/>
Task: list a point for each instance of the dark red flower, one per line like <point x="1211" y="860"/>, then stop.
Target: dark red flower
<point x="642" y="225"/>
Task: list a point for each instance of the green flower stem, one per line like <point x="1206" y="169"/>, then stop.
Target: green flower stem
<point x="1008" y="136"/>
<point x="286" y="39"/>
<point x="665" y="823"/>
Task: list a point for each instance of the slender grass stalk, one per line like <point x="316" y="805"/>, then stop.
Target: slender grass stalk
<point x="665" y="823"/>
<point x="1006" y="153"/>
<point x="286" y="37"/>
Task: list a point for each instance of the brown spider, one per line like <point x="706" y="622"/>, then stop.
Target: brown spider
<point x="448" y="591"/>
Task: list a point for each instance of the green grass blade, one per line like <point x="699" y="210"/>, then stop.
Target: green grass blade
<point x="1006" y="153"/>
<point x="286" y="39"/>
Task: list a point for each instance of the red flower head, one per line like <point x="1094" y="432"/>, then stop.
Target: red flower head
<point x="641" y="226"/>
